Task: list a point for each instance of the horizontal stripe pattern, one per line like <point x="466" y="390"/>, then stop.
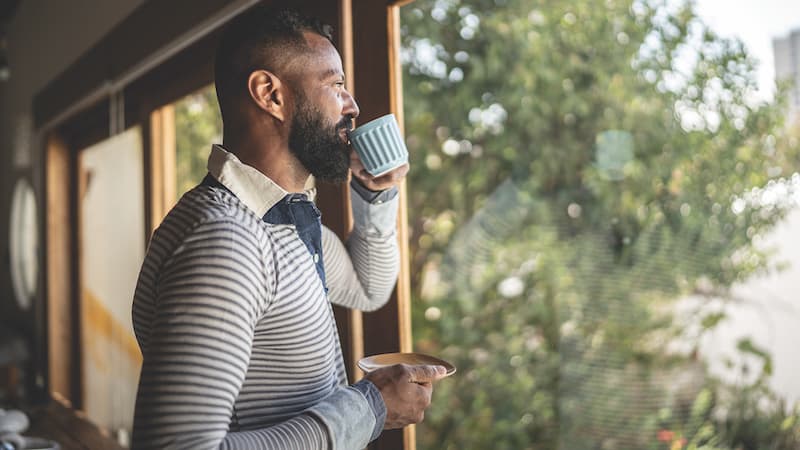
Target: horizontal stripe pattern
<point x="236" y="330"/>
<point x="364" y="279"/>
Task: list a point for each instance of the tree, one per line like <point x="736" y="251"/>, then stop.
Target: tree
<point x="198" y="124"/>
<point x="578" y="166"/>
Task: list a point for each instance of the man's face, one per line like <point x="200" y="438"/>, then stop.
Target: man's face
<point x="317" y="142"/>
<point x="323" y="113"/>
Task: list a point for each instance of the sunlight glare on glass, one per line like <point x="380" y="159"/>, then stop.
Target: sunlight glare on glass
<point x="613" y="151"/>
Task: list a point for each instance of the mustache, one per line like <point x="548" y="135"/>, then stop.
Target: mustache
<point x="346" y="123"/>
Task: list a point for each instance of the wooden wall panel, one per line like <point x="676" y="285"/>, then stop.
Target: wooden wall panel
<point x="378" y="90"/>
<point x="160" y="164"/>
<point x="61" y="318"/>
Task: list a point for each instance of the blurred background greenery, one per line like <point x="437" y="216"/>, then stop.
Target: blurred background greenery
<point x="198" y="124"/>
<point x="579" y="167"/>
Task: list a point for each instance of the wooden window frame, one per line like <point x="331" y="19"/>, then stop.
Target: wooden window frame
<point x="62" y="318"/>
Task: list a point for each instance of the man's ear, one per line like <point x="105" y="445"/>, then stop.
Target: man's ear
<point x="266" y="90"/>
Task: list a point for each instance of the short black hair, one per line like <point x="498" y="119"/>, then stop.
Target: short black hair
<point x="263" y="37"/>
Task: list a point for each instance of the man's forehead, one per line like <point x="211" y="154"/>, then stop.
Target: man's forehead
<point x="325" y="59"/>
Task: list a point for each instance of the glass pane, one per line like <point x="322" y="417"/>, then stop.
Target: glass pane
<point x="599" y="203"/>
<point x="197" y="125"/>
<point x="111" y="254"/>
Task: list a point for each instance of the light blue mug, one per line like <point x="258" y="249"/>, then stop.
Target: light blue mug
<point x="380" y="145"/>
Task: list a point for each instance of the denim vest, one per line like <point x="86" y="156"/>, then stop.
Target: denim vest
<point x="297" y="210"/>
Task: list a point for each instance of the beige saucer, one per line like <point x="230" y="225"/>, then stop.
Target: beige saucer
<point x="374" y="362"/>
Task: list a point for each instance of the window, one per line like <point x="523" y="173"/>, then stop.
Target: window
<point x="197" y="125"/>
<point x="182" y="134"/>
<point x="585" y="199"/>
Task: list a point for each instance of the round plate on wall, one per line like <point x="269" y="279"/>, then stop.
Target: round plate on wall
<point x="24" y="243"/>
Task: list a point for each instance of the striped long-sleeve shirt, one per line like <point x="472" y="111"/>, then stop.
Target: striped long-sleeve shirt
<point x="239" y="344"/>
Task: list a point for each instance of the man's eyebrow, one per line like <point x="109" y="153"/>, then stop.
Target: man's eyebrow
<point x="330" y="73"/>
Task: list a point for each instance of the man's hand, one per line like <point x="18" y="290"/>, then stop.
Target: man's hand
<point x="380" y="183"/>
<point x="406" y="391"/>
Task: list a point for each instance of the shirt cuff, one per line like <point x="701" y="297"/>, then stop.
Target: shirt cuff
<point x="373" y="197"/>
<point x="377" y="219"/>
<point x="375" y="400"/>
<point x="348" y="418"/>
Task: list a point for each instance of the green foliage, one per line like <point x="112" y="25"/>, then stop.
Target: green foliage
<point x="197" y="125"/>
<point x="755" y="417"/>
<point x="577" y="167"/>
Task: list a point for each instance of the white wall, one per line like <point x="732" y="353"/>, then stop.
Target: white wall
<point x="112" y="250"/>
<point x="765" y="309"/>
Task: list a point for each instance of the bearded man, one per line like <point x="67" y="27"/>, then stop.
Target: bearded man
<point x="232" y="309"/>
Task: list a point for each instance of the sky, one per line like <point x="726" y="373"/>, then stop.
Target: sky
<point x="756" y="23"/>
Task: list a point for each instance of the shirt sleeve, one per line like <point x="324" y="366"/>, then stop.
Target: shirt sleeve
<point x="210" y="297"/>
<point x="362" y="273"/>
<point x="369" y="196"/>
<point x="375" y="399"/>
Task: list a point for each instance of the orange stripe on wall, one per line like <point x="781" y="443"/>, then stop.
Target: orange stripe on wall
<point x="101" y="323"/>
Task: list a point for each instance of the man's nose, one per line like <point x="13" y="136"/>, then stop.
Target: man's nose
<point x="350" y="106"/>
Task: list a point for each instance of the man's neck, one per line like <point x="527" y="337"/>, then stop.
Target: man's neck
<point x="275" y="161"/>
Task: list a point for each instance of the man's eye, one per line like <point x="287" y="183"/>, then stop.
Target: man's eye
<point x="340" y="84"/>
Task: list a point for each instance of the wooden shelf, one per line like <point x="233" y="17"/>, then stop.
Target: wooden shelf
<point x="57" y="421"/>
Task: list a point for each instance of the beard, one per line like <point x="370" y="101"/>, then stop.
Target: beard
<point x="318" y="145"/>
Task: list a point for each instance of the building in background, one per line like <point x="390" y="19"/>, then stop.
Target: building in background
<point x="787" y="67"/>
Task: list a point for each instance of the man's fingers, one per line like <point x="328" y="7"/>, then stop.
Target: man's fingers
<point x="355" y="162"/>
<point x="395" y="175"/>
<point x="382" y="182"/>
<point x="425" y="394"/>
<point x="392" y="178"/>
<point x="400" y="172"/>
<point x="406" y="390"/>
<point x="426" y="374"/>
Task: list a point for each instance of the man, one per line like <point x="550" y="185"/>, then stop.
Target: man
<point x="232" y="308"/>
